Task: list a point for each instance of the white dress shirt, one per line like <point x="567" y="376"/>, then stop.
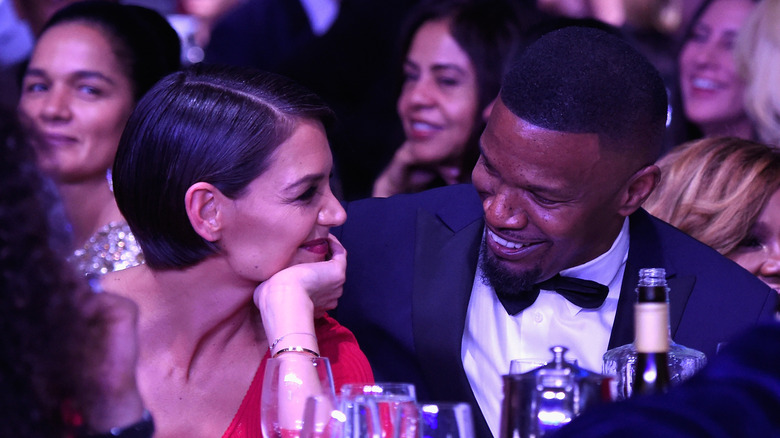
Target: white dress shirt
<point x="492" y="337"/>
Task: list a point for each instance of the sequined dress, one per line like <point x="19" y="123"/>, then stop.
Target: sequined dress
<point x="111" y="248"/>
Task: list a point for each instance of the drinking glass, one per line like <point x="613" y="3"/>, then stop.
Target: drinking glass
<point x="520" y="366"/>
<point x="352" y="417"/>
<point x="287" y="384"/>
<point x="394" y="402"/>
<point x="446" y="420"/>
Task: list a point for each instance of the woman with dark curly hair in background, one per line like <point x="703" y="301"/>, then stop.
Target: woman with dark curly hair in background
<point x="67" y="356"/>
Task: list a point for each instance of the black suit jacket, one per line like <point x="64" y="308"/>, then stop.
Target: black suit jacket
<point x="411" y="266"/>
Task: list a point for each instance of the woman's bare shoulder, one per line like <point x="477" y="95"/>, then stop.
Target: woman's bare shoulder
<point x="127" y="282"/>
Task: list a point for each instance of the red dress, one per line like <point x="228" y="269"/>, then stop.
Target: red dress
<point x="348" y="365"/>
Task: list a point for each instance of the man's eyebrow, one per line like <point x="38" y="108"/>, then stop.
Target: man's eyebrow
<point x="485" y="159"/>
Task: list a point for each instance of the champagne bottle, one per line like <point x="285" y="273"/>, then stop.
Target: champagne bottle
<point x="653" y="362"/>
<point x="651" y="328"/>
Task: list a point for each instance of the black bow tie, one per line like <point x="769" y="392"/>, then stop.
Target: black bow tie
<point x="584" y="293"/>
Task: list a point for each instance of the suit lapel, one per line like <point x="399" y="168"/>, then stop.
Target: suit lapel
<point x="445" y="264"/>
<point x="646" y="252"/>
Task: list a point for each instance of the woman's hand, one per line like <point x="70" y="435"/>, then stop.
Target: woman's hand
<point x="110" y="393"/>
<point x="291" y="299"/>
<point x="327" y="297"/>
<point x="404" y="174"/>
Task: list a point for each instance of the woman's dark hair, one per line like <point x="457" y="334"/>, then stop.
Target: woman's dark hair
<point x="489" y="31"/>
<point x="144" y="43"/>
<point x="43" y="340"/>
<point x="213" y="124"/>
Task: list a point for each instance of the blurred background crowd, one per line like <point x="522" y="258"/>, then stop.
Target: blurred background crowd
<point x="355" y="54"/>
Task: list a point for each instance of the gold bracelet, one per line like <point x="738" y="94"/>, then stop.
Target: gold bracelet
<point x="296" y="349"/>
<point x="277" y="340"/>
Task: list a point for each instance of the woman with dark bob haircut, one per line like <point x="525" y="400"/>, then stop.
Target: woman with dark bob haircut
<point x="223" y="176"/>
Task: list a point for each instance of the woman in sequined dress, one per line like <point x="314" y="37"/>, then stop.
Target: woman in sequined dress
<point x="92" y="62"/>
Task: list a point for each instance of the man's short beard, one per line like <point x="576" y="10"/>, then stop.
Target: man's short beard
<point x="504" y="281"/>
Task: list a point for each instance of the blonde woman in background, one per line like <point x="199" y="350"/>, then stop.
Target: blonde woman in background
<point x="711" y="89"/>
<point x="725" y="192"/>
<point x="758" y="58"/>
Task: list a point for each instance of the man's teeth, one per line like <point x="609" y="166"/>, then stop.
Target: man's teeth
<point x="504" y="242"/>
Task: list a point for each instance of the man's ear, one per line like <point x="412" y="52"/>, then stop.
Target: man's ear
<point x="203" y="203"/>
<point x="488" y="109"/>
<point x="638" y="188"/>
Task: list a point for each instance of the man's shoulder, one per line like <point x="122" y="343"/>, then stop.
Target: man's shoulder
<point x="459" y="199"/>
<point x="377" y="222"/>
<point x="712" y="298"/>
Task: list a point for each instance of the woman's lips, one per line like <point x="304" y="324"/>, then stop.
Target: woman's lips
<point x="419" y="130"/>
<point x="703" y="87"/>
<point x="317" y="246"/>
<point x="57" y="140"/>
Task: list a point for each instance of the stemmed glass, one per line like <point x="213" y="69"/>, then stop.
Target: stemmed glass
<point x="520" y="366"/>
<point x="396" y="404"/>
<point x="353" y="417"/>
<point x="288" y="382"/>
<point x="446" y="420"/>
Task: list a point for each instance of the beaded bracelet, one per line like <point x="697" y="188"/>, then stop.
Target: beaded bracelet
<point x="296" y="349"/>
<point x="277" y="340"/>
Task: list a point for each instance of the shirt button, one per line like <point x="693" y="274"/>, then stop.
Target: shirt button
<point x="538" y="317"/>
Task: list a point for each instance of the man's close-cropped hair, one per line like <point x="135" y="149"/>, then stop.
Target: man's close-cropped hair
<point x="586" y="80"/>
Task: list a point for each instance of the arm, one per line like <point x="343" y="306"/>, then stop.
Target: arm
<point x="110" y="400"/>
<point x="287" y="299"/>
<point x="287" y="312"/>
<point x="404" y="174"/>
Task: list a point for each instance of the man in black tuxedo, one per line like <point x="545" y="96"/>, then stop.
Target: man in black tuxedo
<point x="445" y="287"/>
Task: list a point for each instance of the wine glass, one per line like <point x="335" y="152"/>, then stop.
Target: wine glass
<point x="288" y="382"/>
<point x="446" y="420"/>
<point x="351" y="417"/>
<point x="394" y="402"/>
<point x="320" y="418"/>
<point x="520" y="366"/>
